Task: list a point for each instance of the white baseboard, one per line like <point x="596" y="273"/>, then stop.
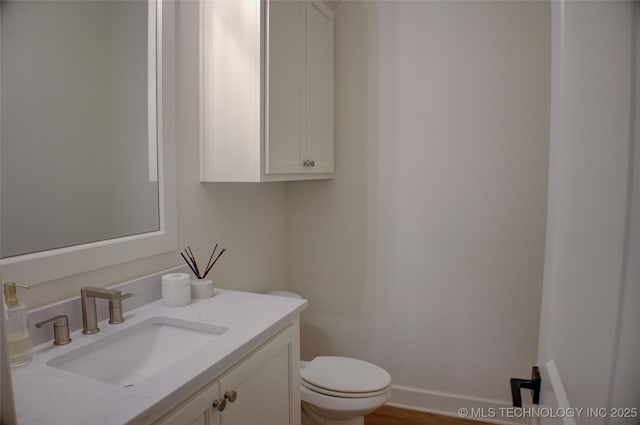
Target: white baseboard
<point x="450" y="404"/>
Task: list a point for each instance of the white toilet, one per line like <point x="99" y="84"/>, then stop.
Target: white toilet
<point x="340" y="390"/>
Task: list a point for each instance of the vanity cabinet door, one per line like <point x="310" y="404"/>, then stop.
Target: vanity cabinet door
<point x="261" y="386"/>
<point x="197" y="410"/>
<point x="203" y="419"/>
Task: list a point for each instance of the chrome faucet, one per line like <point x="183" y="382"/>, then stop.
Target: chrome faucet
<point x="88" y="297"/>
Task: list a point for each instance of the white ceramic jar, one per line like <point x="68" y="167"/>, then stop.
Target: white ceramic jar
<point x="201" y="288"/>
<point x="176" y="289"/>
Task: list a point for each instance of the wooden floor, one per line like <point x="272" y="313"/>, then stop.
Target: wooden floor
<point x="388" y="415"/>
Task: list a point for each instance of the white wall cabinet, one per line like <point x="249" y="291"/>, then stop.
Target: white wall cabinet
<point x="267" y="90"/>
<point x="262" y="389"/>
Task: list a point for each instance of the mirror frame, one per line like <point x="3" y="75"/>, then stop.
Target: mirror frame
<point x="57" y="263"/>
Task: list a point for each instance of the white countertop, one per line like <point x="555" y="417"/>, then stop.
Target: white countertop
<point x="49" y="396"/>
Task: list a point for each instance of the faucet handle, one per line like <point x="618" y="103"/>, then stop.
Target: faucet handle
<point x="60" y="329"/>
<point x="115" y="309"/>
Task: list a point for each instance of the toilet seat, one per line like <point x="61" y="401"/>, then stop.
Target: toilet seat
<point x="327" y="392"/>
<point x="345" y="377"/>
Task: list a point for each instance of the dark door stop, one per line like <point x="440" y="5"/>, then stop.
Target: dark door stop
<point x="532" y="384"/>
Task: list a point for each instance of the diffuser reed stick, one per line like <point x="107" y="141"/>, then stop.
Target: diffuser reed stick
<point x="190" y="259"/>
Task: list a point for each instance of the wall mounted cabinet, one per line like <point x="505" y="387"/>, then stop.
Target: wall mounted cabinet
<point x="266" y="90"/>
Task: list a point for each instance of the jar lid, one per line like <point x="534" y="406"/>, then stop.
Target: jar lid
<point x="176" y="279"/>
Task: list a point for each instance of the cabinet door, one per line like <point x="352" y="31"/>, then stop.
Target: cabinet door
<point x="319" y="87"/>
<point x="196" y="410"/>
<point x="263" y="386"/>
<point x="285" y="84"/>
<point x="230" y="90"/>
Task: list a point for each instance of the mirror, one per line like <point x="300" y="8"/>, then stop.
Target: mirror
<point x="75" y="132"/>
<point x="81" y="155"/>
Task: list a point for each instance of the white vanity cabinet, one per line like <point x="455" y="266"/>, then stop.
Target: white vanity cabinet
<point x="264" y="387"/>
<point x="267" y="90"/>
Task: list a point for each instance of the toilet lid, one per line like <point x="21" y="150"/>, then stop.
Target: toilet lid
<point x="339" y="394"/>
<point x="345" y="375"/>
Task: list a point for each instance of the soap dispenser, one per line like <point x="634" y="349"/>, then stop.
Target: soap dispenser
<point x="18" y="339"/>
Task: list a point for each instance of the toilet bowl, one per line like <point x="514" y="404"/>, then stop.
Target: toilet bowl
<point x="340" y="390"/>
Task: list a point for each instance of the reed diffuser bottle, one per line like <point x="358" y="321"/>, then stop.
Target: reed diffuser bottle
<point x="18" y="339"/>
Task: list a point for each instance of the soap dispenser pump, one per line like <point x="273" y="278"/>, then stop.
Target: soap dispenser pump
<point x="18" y="339"/>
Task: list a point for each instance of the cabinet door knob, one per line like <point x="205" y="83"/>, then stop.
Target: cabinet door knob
<point x="231" y="396"/>
<point x="309" y="163"/>
<point x="220" y="405"/>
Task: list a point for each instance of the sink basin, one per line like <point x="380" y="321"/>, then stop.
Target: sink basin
<point x="136" y="353"/>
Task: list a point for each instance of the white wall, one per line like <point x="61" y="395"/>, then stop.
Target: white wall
<point x="425" y="253"/>
<point x="590" y="298"/>
<point x="248" y="219"/>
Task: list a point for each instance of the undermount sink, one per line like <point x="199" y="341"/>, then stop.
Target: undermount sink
<point x="136" y="353"/>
